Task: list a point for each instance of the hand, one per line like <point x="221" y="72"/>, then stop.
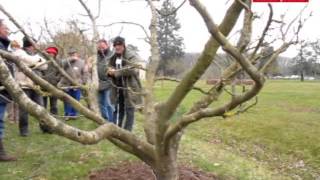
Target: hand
<point x="111" y="71"/>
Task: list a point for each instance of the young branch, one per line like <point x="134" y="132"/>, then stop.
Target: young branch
<point x="129" y="23"/>
<point x="178" y="81"/>
<point x="55" y="64"/>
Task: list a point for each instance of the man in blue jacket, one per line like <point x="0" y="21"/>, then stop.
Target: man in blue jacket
<point x="4" y="97"/>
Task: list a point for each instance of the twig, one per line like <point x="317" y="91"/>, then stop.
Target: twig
<point x="129" y="23"/>
<point x="178" y="81"/>
<point x="172" y="12"/>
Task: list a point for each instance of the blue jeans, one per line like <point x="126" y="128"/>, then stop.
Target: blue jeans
<point x="2" y="112"/>
<point x="68" y="109"/>
<point x="105" y="104"/>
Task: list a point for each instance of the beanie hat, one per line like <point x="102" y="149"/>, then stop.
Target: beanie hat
<point x="26" y="42"/>
<point x="72" y="50"/>
<point x="52" y="50"/>
<point x="119" y="41"/>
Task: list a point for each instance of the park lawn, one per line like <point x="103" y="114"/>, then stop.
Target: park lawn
<point x="276" y="139"/>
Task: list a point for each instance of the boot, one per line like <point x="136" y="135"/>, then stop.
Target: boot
<point x="23" y="129"/>
<point x="24" y="132"/>
<point x="45" y="128"/>
<point x="3" y="156"/>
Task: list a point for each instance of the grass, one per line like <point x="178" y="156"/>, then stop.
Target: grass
<point x="277" y="139"/>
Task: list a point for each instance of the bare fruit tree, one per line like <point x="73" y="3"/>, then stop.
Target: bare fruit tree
<point x="160" y="146"/>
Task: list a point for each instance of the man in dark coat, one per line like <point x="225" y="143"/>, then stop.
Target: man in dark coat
<point x="104" y="55"/>
<point x="4" y="44"/>
<point x="126" y="81"/>
<point x="52" y="75"/>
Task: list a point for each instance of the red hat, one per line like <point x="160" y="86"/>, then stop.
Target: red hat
<point x="52" y="50"/>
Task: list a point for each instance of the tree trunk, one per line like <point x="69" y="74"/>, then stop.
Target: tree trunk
<point x="167" y="168"/>
<point x="301" y="76"/>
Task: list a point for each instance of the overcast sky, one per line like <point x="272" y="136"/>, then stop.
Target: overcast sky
<point x="193" y="29"/>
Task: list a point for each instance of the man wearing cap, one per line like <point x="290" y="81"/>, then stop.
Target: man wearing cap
<point x="126" y="79"/>
<point x="104" y="54"/>
<point x="38" y="64"/>
<point x="75" y="67"/>
<point x="4" y="44"/>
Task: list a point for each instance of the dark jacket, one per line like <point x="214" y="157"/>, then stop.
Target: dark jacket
<point x="4" y="44"/>
<point x="102" y="66"/>
<point x="52" y="74"/>
<point x="128" y="78"/>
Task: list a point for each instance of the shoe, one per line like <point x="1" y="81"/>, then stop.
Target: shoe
<point x="3" y="156"/>
<point x="45" y="129"/>
<point x="24" y="134"/>
<point x="74" y="117"/>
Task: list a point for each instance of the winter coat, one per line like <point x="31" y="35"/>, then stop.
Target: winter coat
<point x="52" y="74"/>
<point x="76" y="69"/>
<point x="102" y="65"/>
<point x="4" y="44"/>
<point x="128" y="76"/>
<point x="36" y="62"/>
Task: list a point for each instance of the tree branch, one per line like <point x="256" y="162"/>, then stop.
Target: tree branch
<point x="52" y="89"/>
<point x="178" y="81"/>
<point x="130" y="23"/>
<point x="55" y="64"/>
<point x="204" y="61"/>
<point x="104" y="131"/>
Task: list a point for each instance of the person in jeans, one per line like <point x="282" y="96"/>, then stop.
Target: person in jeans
<point x="4" y="97"/>
<point x="76" y="68"/>
<point x="13" y="108"/>
<point x="104" y="54"/>
<point x="127" y="84"/>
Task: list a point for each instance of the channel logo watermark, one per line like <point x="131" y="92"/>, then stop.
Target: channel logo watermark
<point x="281" y="1"/>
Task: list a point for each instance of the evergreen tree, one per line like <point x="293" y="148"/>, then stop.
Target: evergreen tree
<point x="171" y="44"/>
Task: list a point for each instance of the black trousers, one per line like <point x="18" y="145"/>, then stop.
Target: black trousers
<point x="23" y="114"/>
<point x="53" y="104"/>
<point x="123" y="111"/>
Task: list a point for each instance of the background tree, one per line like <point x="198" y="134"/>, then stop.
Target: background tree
<point x="70" y="36"/>
<point x="273" y="68"/>
<point x="170" y="43"/>
<point x="306" y="62"/>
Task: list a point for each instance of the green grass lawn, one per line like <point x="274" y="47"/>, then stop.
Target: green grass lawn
<point x="277" y="139"/>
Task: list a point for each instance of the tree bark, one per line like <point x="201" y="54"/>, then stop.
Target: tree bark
<point x="167" y="169"/>
<point x="166" y="166"/>
<point x="301" y="76"/>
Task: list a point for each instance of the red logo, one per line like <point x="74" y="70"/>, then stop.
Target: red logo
<point x="280" y="0"/>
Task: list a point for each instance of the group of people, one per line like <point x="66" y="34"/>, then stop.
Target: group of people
<point x="119" y="86"/>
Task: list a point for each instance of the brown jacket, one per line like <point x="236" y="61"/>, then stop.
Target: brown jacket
<point x="129" y="77"/>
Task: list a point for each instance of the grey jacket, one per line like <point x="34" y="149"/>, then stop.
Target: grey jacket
<point x="102" y="66"/>
<point x="129" y="77"/>
<point x="76" y="69"/>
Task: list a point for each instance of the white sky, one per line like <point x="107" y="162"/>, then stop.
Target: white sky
<point x="193" y="29"/>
